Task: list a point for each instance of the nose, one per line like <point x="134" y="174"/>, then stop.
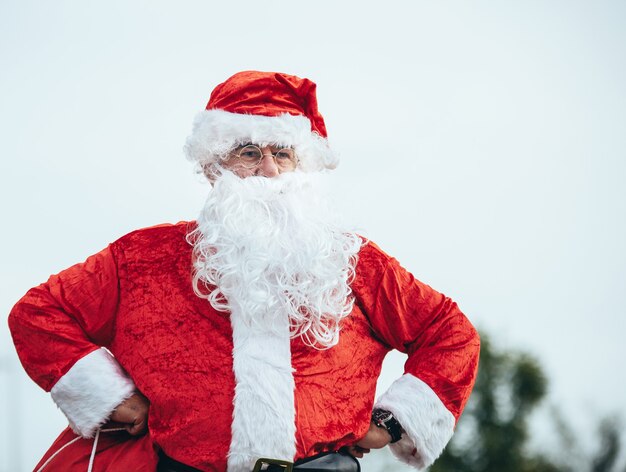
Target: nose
<point x="268" y="167"/>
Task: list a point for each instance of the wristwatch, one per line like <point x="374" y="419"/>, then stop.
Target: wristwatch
<point x="385" y="419"/>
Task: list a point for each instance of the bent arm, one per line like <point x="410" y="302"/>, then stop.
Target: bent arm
<point x="442" y="348"/>
<point x="60" y="328"/>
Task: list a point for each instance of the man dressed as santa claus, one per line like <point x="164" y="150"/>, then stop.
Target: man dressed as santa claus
<point x="258" y="330"/>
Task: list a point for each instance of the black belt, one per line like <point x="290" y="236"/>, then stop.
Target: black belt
<point x="324" y="462"/>
<point x="167" y="464"/>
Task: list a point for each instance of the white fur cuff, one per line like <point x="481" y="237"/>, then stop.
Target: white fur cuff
<point x="91" y="390"/>
<point x="427" y="423"/>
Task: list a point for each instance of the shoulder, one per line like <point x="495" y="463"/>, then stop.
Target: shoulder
<point x="164" y="230"/>
<point x="376" y="268"/>
<point x="371" y="264"/>
<point x="166" y="236"/>
<point x="372" y="257"/>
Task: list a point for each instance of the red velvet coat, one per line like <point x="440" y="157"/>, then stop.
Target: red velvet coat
<point x="135" y="298"/>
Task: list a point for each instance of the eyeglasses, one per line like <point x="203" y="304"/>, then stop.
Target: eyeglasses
<point x="250" y="157"/>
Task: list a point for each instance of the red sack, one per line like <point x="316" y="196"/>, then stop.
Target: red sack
<point x="115" y="451"/>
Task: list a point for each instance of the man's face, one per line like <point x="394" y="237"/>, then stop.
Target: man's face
<point x="266" y="161"/>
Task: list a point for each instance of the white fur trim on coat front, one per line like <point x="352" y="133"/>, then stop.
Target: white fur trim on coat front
<point x="216" y="132"/>
<point x="427" y="423"/>
<point x="89" y="392"/>
<point x="264" y="406"/>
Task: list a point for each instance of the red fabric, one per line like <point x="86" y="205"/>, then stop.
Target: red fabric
<point x="136" y="299"/>
<point x="268" y="94"/>
<point x="116" y="451"/>
<point x="411" y="317"/>
<point x="66" y="318"/>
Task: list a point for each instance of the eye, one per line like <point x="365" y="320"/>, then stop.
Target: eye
<point x="251" y="153"/>
<point x="285" y="154"/>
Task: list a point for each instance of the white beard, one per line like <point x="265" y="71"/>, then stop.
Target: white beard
<point x="270" y="249"/>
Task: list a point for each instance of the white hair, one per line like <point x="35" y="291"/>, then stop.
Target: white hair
<point x="270" y="249"/>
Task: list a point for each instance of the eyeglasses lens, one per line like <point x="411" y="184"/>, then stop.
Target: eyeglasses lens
<point x="251" y="156"/>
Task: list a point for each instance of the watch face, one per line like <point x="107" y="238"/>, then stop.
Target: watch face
<point x="385" y="419"/>
<point x="381" y="416"/>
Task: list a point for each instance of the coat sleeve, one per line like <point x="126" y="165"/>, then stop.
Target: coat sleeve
<point x="442" y="348"/>
<point x="60" y="329"/>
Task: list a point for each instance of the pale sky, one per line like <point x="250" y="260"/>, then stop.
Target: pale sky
<point x="483" y="145"/>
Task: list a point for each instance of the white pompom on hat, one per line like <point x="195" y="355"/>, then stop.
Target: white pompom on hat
<point x="262" y="108"/>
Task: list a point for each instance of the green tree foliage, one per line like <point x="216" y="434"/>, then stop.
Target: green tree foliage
<point x="606" y="459"/>
<point x="607" y="450"/>
<point x="492" y="435"/>
<point x="493" y="431"/>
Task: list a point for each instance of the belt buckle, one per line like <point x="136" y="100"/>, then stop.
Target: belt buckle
<point x="285" y="466"/>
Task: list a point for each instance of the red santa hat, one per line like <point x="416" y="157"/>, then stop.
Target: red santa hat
<point x="262" y="108"/>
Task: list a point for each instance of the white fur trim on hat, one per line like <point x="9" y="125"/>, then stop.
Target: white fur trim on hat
<point x="216" y="132"/>
<point x="427" y="423"/>
<point x="91" y="390"/>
